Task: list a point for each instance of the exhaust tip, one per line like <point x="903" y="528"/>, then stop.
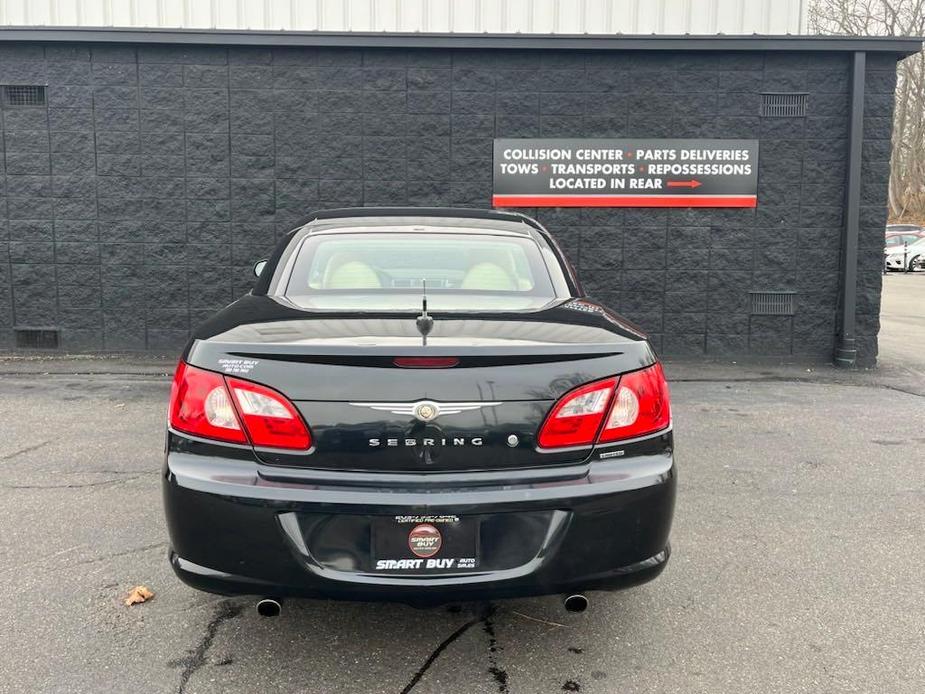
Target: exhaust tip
<point x="575" y="603"/>
<point x="269" y="607"/>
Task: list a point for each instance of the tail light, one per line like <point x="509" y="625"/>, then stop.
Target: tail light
<point x="614" y="409"/>
<point x="641" y="405"/>
<point x="207" y="404"/>
<point x="270" y="419"/>
<point x="200" y="405"/>
<point x="576" y="418"/>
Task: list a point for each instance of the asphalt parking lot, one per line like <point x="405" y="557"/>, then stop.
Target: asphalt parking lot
<point x="796" y="565"/>
<point x="902" y="324"/>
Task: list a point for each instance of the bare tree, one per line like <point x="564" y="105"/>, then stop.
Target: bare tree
<point x="891" y="18"/>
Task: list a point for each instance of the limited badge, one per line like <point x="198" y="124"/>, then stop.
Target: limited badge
<point x="424" y="540"/>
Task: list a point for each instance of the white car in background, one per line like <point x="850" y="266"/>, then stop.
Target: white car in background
<point x="907" y="257"/>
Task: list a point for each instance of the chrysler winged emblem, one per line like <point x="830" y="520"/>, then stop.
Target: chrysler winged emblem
<point x="425" y="410"/>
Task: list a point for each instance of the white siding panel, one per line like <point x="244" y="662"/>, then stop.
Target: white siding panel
<point x="545" y="16"/>
<point x="93" y="13"/>
<point x="196" y="14"/>
<point x="278" y="14"/>
<point x="648" y="16"/>
<point x="146" y="13"/>
<point x="469" y="16"/>
<point x="40" y="13"/>
<point x="677" y="16"/>
<point x="413" y="15"/>
<point x="730" y="17"/>
<point x="304" y="13"/>
<point x="596" y="16"/>
<point x="494" y="16"/>
<point x="441" y="16"/>
<point x="253" y="15"/>
<point x="569" y="18"/>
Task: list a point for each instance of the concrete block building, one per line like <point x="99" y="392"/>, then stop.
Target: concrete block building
<point x="146" y="169"/>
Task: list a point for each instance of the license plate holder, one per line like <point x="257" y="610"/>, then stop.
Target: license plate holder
<point x="424" y="544"/>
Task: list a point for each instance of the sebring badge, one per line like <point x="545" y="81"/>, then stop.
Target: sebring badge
<point x="425" y="410"/>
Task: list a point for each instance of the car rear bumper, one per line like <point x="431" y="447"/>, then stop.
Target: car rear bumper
<point x="237" y="528"/>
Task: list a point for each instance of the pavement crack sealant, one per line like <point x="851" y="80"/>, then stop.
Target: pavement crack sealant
<point x="197" y="659"/>
<point x="436" y="654"/>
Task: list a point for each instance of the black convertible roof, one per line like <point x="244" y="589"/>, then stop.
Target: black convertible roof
<point x="350" y="214"/>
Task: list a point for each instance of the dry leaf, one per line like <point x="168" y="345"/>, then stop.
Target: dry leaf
<point x="138" y="594"/>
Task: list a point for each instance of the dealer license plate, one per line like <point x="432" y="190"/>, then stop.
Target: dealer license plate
<point x="425" y="544"/>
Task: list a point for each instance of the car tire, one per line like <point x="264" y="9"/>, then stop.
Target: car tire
<point x="914" y="264"/>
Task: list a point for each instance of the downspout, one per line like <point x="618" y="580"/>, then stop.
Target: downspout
<point x="846" y="352"/>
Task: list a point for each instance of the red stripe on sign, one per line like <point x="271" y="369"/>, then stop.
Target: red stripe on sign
<point x="624" y="201"/>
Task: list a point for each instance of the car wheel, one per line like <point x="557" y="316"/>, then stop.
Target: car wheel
<point x="915" y="263"/>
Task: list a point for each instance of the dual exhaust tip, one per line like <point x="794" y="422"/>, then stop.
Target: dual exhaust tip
<point x="576" y="602"/>
<point x="271" y="607"/>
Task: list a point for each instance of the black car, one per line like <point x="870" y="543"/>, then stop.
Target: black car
<point x="418" y="405"/>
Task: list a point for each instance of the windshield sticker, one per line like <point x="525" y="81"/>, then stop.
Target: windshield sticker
<point x="237" y="366"/>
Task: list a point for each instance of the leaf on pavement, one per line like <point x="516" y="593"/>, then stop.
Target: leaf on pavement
<point x="138" y="594"/>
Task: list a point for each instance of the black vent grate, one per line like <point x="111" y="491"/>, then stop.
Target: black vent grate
<point x="781" y="105"/>
<point x="772" y="303"/>
<point x="24" y="95"/>
<point x="37" y="338"/>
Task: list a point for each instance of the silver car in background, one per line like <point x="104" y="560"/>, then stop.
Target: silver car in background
<point x="905" y="256"/>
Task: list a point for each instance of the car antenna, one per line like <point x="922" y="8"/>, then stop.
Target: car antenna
<point x="424" y="322"/>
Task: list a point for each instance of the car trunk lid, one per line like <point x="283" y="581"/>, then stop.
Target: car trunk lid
<point x="367" y="413"/>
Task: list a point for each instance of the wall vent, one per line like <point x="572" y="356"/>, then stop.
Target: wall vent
<point x="37" y="338"/>
<point x="23" y="95"/>
<point x="772" y="303"/>
<point x="783" y="105"/>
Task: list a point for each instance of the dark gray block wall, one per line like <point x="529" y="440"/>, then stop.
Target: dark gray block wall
<point x="136" y="201"/>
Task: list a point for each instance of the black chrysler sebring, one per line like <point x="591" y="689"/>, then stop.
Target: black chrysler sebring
<point x="418" y="405"/>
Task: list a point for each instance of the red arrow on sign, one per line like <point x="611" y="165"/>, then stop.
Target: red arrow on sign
<point x="693" y="183"/>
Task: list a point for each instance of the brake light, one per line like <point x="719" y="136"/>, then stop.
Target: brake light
<point x="634" y="405"/>
<point x="200" y="405"/>
<point x="207" y="404"/>
<point x="425" y="362"/>
<point x="270" y="419"/>
<point x="576" y="418"/>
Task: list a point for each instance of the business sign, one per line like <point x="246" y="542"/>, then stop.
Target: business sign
<point x="599" y="172"/>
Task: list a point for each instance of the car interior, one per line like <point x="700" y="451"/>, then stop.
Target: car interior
<point x="491" y="266"/>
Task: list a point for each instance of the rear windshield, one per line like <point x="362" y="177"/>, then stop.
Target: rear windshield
<point x="388" y="271"/>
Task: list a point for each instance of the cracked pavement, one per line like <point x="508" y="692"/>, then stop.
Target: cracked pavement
<point x="796" y="561"/>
